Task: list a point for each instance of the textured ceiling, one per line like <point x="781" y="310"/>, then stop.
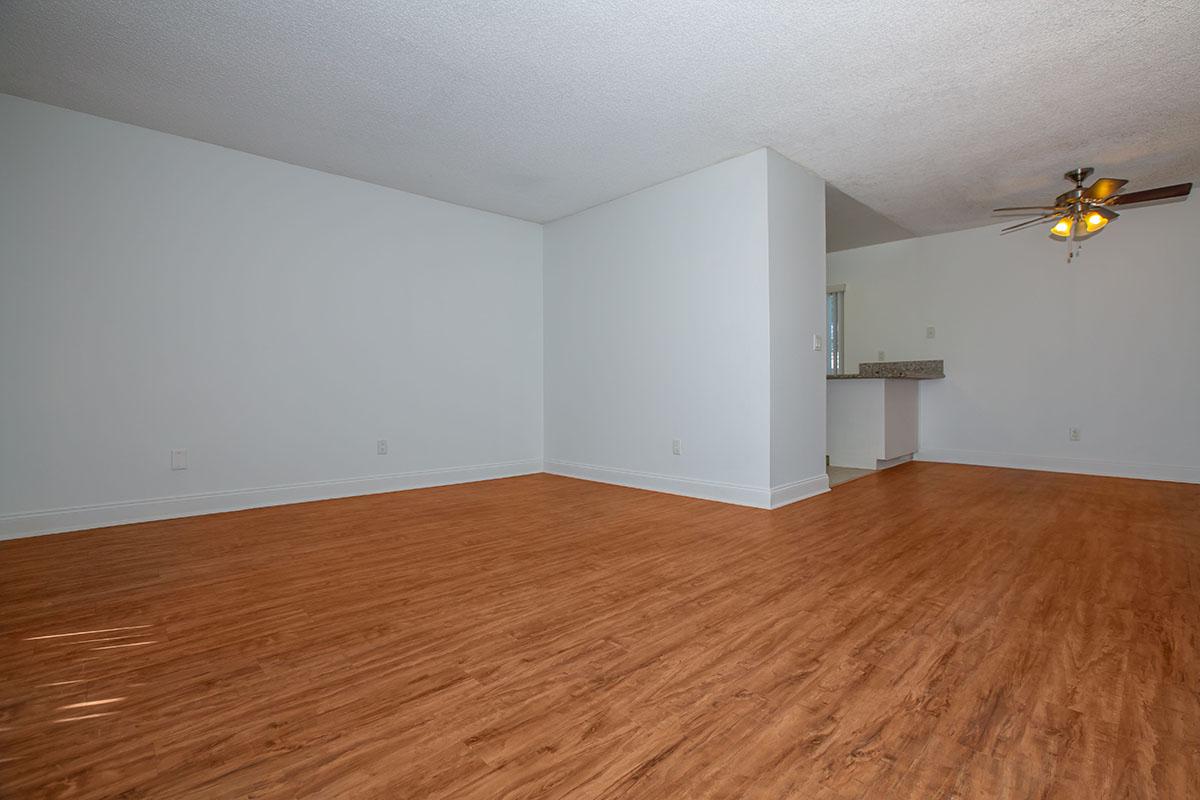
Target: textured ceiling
<point x="929" y="112"/>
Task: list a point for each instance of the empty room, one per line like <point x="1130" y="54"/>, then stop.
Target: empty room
<point x="662" y="400"/>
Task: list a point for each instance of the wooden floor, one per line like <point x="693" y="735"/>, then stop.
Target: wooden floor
<point x="931" y="631"/>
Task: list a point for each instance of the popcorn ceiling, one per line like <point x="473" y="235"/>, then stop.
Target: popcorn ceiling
<point x="930" y="113"/>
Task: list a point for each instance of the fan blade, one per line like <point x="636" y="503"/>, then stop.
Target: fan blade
<point x="1104" y="188"/>
<point x="1027" y="223"/>
<point x="1147" y="195"/>
<point x="1016" y="209"/>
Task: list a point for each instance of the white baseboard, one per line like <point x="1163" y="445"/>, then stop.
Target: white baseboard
<point x="737" y="494"/>
<point x="103" y="515"/>
<point x="789" y="493"/>
<point x="1154" y="472"/>
<point x="758" y="497"/>
<point x="13" y="526"/>
<point x="888" y="463"/>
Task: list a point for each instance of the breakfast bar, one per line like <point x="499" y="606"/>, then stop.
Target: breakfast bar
<point x="872" y="415"/>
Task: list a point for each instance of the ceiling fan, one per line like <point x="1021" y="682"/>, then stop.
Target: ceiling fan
<point x="1084" y="211"/>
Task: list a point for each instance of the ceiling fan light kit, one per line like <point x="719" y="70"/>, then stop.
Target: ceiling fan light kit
<point x="1082" y="212"/>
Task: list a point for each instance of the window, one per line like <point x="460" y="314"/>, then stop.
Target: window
<point x="835" y="301"/>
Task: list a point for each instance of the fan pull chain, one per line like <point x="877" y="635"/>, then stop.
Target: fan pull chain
<point x="1073" y="248"/>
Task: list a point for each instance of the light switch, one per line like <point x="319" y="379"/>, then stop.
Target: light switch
<point x="816" y="341"/>
<point x="930" y="332"/>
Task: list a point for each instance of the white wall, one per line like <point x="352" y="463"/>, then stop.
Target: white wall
<point x="796" y="211"/>
<point x="156" y="292"/>
<point x="664" y="313"/>
<point x="1109" y="343"/>
<point x="159" y="293"/>
<point x="656" y="315"/>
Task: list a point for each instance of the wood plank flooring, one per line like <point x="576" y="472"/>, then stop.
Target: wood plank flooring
<point x="930" y="631"/>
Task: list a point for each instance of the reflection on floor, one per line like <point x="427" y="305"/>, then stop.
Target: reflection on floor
<point x="842" y="474"/>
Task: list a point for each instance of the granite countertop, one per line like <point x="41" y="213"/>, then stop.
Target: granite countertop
<point x="907" y="370"/>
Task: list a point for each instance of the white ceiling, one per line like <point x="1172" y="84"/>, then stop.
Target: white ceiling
<point x="931" y="113"/>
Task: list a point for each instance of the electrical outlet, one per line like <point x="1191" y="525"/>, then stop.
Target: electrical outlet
<point x="1073" y="434"/>
<point x="381" y="447"/>
<point x="930" y="332"/>
<point x="676" y="447"/>
<point x="179" y="459"/>
<point x="882" y="356"/>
